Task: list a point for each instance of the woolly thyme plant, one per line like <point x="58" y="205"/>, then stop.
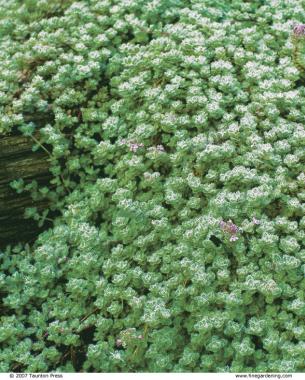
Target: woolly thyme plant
<point x="175" y="132"/>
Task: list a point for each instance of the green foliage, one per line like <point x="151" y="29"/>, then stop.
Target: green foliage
<point x="175" y="134"/>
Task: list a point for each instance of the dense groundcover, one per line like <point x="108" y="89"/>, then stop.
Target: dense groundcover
<point x="175" y="132"/>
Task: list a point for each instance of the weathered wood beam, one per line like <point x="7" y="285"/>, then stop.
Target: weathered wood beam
<point x="17" y="160"/>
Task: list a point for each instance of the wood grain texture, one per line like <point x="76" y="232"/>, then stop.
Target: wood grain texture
<point x="17" y="160"/>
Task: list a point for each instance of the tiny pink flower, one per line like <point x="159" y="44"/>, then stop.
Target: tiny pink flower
<point x="133" y="146"/>
<point x="229" y="227"/>
<point x="299" y="30"/>
<point x="255" y="221"/>
<point x="233" y="229"/>
<point x="222" y="224"/>
<point x="233" y="238"/>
